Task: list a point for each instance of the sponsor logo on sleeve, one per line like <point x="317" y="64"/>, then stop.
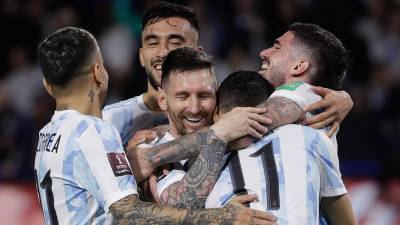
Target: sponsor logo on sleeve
<point x="119" y="164"/>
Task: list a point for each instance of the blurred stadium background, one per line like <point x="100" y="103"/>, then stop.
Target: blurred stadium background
<point x="234" y="32"/>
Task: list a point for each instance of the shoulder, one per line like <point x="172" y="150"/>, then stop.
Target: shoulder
<point x="299" y="92"/>
<point x="90" y="125"/>
<point x="125" y="104"/>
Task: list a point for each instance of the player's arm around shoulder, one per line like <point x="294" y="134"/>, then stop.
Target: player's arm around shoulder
<point x="130" y="210"/>
<point x="290" y="103"/>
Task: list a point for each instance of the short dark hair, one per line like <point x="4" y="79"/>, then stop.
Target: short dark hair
<point x="326" y="50"/>
<point x="185" y="59"/>
<point x="64" y="54"/>
<point x="162" y="10"/>
<point x="243" y="89"/>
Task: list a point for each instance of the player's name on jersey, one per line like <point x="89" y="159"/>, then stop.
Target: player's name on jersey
<point x="48" y="142"/>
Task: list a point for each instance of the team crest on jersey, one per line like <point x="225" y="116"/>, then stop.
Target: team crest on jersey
<point x="119" y="164"/>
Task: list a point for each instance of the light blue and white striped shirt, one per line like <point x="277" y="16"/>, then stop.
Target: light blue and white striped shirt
<point x="307" y="168"/>
<point x="132" y="115"/>
<point x="81" y="169"/>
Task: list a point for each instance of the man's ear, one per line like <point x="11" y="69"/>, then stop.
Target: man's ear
<point x="300" y="68"/>
<point x="98" y="76"/>
<point x="141" y="57"/>
<point x="162" y="99"/>
<point x="48" y="88"/>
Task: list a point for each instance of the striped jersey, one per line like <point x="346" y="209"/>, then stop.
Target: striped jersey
<point x="290" y="170"/>
<point x="81" y="169"/>
<point x="176" y="174"/>
<point x="132" y="115"/>
<point x="302" y="94"/>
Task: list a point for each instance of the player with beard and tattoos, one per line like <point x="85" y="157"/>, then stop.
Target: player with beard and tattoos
<point x="167" y="26"/>
<point x="82" y="173"/>
<point x="175" y="188"/>
<point x="292" y="169"/>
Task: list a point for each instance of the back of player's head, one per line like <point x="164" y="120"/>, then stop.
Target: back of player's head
<point x="65" y="54"/>
<point x="186" y="59"/>
<point x="327" y="52"/>
<point x="243" y="89"/>
<point x="162" y="10"/>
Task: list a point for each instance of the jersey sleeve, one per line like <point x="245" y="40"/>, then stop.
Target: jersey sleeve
<point x="172" y="177"/>
<point x="110" y="176"/>
<point x="302" y="94"/>
<point x="298" y="92"/>
<point x="330" y="176"/>
<point x="132" y="115"/>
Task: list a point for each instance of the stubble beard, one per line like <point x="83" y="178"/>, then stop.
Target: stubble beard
<point x="152" y="79"/>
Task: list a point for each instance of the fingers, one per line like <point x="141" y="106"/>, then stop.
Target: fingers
<point x="321" y="91"/>
<point x="321" y="117"/>
<point x="255" y="129"/>
<point x="324" y="123"/>
<point x="261" y="222"/>
<point x="245" y="198"/>
<point x="140" y="137"/>
<point x="324" y="103"/>
<point x="252" y="109"/>
<point x="263" y="215"/>
<point x="260" y="118"/>
<point x="147" y="134"/>
<point x="334" y="128"/>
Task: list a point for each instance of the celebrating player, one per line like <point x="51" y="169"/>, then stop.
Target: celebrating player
<point x="290" y="169"/>
<point x="83" y="176"/>
<point x="167" y="26"/>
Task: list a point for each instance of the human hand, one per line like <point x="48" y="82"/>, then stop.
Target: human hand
<point x="140" y="137"/>
<point x="241" y="121"/>
<point x="249" y="216"/>
<point x="336" y="105"/>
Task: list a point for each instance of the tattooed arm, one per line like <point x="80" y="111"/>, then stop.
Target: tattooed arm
<point x="192" y="190"/>
<point x="130" y="210"/>
<point x="282" y="111"/>
<point x="237" y="123"/>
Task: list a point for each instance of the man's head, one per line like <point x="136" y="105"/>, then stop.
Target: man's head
<point x="165" y="26"/>
<point x="71" y="61"/>
<point x="307" y="53"/>
<point x="242" y="89"/>
<point x="188" y="93"/>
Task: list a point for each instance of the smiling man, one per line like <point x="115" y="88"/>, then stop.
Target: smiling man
<point x="165" y="27"/>
<point x="188" y="93"/>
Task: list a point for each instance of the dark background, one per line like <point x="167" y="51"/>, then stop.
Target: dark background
<point x="234" y="32"/>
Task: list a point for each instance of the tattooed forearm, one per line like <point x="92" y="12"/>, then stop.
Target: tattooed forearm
<point x="193" y="189"/>
<point x="144" y="161"/>
<point x="282" y="111"/>
<point x="130" y="210"/>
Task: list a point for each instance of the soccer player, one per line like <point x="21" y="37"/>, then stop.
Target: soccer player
<point x="188" y="97"/>
<point x="296" y="62"/>
<point x="83" y="176"/>
<point x="307" y="54"/>
<point x="167" y="26"/>
<point x="291" y="169"/>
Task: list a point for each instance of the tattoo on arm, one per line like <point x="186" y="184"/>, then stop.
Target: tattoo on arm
<point x="282" y="111"/>
<point x="130" y="210"/>
<point x="193" y="189"/>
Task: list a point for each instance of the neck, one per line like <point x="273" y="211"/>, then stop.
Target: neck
<point x="87" y="104"/>
<point x="150" y="98"/>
